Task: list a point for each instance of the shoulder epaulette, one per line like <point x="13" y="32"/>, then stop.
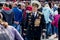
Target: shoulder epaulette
<point x="40" y="13"/>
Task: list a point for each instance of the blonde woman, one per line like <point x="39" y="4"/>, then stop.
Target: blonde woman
<point x="11" y="32"/>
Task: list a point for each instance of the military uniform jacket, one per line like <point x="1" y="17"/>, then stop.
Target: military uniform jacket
<point x="35" y="24"/>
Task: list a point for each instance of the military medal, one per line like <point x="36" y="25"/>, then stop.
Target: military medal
<point x="37" y="21"/>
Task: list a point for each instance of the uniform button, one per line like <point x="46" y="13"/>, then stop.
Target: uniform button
<point x="24" y="33"/>
<point x="31" y="28"/>
<point x="25" y="29"/>
<point x="31" y="25"/>
<point x="29" y="19"/>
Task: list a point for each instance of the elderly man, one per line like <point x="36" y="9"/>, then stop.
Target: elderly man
<point x="35" y="22"/>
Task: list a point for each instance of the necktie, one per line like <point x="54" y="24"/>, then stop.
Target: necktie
<point x="34" y="14"/>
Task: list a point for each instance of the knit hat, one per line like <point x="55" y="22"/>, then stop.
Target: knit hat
<point x="29" y="8"/>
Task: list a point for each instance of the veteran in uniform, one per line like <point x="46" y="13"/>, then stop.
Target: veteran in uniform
<point x="35" y="22"/>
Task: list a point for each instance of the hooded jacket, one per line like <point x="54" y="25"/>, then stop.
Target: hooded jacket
<point x="8" y="15"/>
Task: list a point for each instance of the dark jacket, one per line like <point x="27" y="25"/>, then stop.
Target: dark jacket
<point x="32" y="24"/>
<point x="58" y="10"/>
<point x="8" y="16"/>
<point x="59" y="28"/>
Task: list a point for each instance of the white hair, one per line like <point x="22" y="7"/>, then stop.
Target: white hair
<point x="55" y="5"/>
<point x="22" y="3"/>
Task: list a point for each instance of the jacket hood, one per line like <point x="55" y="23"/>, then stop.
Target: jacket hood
<point x="46" y="8"/>
<point x="7" y="11"/>
<point x="6" y="8"/>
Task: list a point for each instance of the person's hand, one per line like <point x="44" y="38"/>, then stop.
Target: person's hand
<point x="44" y="30"/>
<point x="16" y="22"/>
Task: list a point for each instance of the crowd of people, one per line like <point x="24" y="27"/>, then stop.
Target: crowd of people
<point x="30" y="20"/>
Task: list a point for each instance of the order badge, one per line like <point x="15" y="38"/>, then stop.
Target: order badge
<point x="37" y="21"/>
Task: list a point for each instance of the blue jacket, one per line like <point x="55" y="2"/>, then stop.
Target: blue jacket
<point x="17" y="14"/>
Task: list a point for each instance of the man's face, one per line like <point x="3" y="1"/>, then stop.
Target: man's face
<point x="26" y="4"/>
<point x="4" y="5"/>
<point x="34" y="8"/>
<point x="14" y="5"/>
<point x="22" y="7"/>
